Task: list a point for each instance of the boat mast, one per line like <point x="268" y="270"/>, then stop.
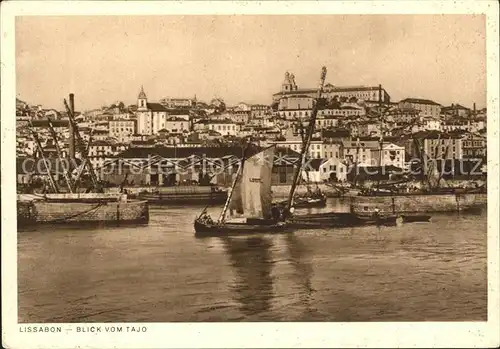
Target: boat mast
<point x="303" y="138"/>
<point x="83" y="150"/>
<point x="238" y="174"/>
<point x="356" y="160"/>
<point x="59" y="154"/>
<point x="42" y="153"/>
<point x="310" y="133"/>
<point x="82" y="166"/>
<point x="381" y="140"/>
<point x="443" y="164"/>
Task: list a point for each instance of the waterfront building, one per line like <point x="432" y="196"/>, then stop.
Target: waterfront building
<point x="360" y="153"/>
<point x="436" y="145"/>
<point x="325" y="170"/>
<point x="390" y="155"/>
<point x="426" y="107"/>
<point x="161" y="166"/>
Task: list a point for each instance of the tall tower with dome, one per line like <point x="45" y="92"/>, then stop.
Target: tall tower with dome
<point x="142" y="100"/>
<point x="289" y="83"/>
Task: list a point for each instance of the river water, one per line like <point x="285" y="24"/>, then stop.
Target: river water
<point x="161" y="273"/>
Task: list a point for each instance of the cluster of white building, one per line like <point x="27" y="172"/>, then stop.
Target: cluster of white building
<point x="185" y="122"/>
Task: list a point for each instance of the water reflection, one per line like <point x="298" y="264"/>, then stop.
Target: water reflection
<point x="251" y="259"/>
<point x="302" y="267"/>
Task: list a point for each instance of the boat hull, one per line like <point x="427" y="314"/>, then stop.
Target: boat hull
<point x="338" y="220"/>
<point x="184" y="199"/>
<point x="310" y="203"/>
<point x="418" y="203"/>
<point x="227" y="229"/>
<point x="416" y="218"/>
<point x="74" y="212"/>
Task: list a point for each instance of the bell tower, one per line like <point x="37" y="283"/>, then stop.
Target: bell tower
<point x="289" y="83"/>
<point x="142" y="100"/>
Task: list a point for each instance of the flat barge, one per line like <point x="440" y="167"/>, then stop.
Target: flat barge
<point x="81" y="208"/>
<point x="180" y="195"/>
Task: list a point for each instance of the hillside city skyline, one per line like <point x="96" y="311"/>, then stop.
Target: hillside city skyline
<point x="107" y="60"/>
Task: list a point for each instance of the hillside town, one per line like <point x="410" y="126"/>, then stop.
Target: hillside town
<point x="356" y="127"/>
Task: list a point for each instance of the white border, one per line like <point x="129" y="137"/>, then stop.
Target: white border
<point x="256" y="335"/>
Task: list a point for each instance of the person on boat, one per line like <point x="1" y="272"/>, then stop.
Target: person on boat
<point x="205" y="218"/>
<point x="276" y="212"/>
<point x="376" y="214"/>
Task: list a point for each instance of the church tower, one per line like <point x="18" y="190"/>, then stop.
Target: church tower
<point x="289" y="83"/>
<point x="142" y="100"/>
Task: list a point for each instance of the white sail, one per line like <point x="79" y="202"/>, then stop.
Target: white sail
<point x="251" y="196"/>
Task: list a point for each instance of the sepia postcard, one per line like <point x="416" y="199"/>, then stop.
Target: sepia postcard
<point x="293" y="174"/>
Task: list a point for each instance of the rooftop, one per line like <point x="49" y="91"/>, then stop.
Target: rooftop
<point x="419" y="101"/>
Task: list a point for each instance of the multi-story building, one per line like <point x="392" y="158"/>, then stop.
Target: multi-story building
<point x="151" y="117"/>
<point x="474" y="146"/>
<point x="390" y="155"/>
<point x="176" y="102"/>
<point x="294" y="114"/>
<point x="259" y="111"/>
<point x="316" y="148"/>
<point x="455" y="125"/>
<point x="345" y="110"/>
<point x="436" y="145"/>
<point x="179" y="113"/>
<point x="225" y="127"/>
<point x="122" y="129"/>
<point x="295" y="96"/>
<point x="326" y="122"/>
<point x="176" y="124"/>
<point x="456" y="110"/>
<point x="426" y="107"/>
<point x="240" y="116"/>
<point x="360" y="153"/>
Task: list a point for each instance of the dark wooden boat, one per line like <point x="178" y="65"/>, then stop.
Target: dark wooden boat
<point x="338" y="220"/>
<point x="416" y="218"/>
<point x="250" y="196"/>
<point x="249" y="201"/>
<point x="204" y="229"/>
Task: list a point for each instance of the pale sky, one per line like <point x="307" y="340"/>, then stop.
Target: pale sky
<point x="103" y="59"/>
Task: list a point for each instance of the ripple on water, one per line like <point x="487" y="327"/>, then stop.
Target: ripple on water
<point x="159" y="272"/>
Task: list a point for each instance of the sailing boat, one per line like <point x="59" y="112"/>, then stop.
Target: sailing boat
<point x="248" y="208"/>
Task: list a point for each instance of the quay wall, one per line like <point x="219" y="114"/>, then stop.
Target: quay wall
<point x="70" y="196"/>
<point x="188" y="189"/>
<point x="418" y="203"/>
<point x="74" y="212"/>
